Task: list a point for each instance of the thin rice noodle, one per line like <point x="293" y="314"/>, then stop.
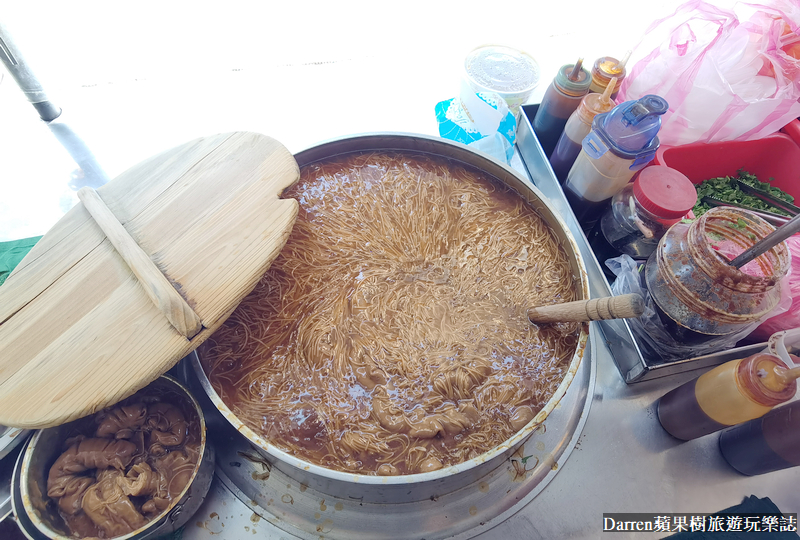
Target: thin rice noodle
<point x="390" y="336"/>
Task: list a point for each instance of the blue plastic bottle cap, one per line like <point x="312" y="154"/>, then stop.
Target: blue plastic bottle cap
<point x="631" y="127"/>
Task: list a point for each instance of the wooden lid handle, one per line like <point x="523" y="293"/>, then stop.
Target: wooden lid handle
<point x="597" y="309"/>
<point x="158" y="288"/>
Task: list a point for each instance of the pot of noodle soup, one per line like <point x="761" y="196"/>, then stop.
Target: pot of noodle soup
<point x="386" y="355"/>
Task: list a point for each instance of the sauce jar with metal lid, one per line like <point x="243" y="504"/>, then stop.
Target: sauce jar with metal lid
<point x="642" y="213"/>
<point x="729" y="394"/>
<point x="698" y="296"/>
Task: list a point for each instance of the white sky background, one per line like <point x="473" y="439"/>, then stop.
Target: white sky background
<point x="92" y="41"/>
<point x="136" y="78"/>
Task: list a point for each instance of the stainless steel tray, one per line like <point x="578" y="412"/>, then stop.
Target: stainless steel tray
<point x="10" y="438"/>
<point x="633" y="364"/>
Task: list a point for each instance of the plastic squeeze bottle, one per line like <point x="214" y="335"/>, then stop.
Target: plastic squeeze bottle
<point x="578" y="126"/>
<point x="766" y="444"/>
<point x="560" y="100"/>
<point x="621" y="142"/>
<point x="604" y="70"/>
<point x="729" y="394"/>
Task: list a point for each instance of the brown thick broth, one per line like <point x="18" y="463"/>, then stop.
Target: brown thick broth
<point x="392" y="328"/>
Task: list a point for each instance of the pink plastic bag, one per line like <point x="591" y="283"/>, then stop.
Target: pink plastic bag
<point x="791" y="318"/>
<point x="726" y="74"/>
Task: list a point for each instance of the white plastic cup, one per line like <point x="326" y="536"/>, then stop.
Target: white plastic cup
<point x="508" y="72"/>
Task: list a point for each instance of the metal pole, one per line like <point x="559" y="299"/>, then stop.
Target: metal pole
<point x="90" y="173"/>
<point x="27" y="81"/>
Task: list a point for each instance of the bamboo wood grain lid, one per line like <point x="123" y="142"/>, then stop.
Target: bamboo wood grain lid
<point x="139" y="274"/>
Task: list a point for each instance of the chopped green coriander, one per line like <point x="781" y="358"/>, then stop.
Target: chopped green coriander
<point x="726" y="189"/>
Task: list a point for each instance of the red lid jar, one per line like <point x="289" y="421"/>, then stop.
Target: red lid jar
<point x="644" y="210"/>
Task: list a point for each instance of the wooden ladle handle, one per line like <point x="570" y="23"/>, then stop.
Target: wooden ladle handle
<point x="597" y="309"/>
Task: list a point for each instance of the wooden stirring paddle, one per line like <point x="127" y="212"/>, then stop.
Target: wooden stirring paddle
<point x="596" y="309"/>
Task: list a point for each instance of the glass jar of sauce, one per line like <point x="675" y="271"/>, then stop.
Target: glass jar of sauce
<point x="697" y="294"/>
<point x="642" y="213"/>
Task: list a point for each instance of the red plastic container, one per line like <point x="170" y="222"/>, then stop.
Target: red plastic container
<point x="792" y="129"/>
<point x="776" y="156"/>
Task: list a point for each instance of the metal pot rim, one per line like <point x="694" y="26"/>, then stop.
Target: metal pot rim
<point x="485" y="163"/>
<point x="154" y="523"/>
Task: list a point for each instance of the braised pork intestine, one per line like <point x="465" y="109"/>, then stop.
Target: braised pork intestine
<point x="390" y="335"/>
<point x="109" y="507"/>
<point x="121" y="422"/>
<point x="124" y="466"/>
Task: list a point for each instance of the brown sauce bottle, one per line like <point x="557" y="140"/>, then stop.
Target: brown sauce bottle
<point x="729" y="394"/>
<point x="765" y="444"/>
<point x="560" y="100"/>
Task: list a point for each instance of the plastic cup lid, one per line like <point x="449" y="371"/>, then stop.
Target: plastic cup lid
<point x="664" y="192"/>
<point x="502" y="69"/>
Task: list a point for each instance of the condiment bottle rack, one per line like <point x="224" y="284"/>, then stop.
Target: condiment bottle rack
<point x="633" y="365"/>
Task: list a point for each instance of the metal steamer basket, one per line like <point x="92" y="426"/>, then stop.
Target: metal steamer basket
<point x="270" y="479"/>
<point x="37" y="516"/>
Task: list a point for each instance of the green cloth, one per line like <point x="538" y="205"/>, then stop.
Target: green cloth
<point x="11" y="253"/>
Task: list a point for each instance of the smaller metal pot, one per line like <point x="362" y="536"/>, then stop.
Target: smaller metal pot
<point x="36" y="514"/>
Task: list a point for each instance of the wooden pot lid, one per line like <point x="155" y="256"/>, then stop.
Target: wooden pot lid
<point x="139" y="274"/>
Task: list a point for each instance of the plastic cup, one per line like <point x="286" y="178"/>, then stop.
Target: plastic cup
<point x="508" y="72"/>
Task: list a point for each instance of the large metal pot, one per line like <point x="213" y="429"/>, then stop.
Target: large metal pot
<point x="38" y="517"/>
<point x="413" y="487"/>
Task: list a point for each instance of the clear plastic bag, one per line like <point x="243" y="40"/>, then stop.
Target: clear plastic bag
<point x="651" y="335"/>
<point x="482" y="121"/>
<point x="780" y="343"/>
<point x="726" y="74"/>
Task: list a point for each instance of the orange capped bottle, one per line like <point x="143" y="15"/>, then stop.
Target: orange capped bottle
<point x="605" y="69"/>
<point x="729" y="394"/>
<point x="577" y="128"/>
